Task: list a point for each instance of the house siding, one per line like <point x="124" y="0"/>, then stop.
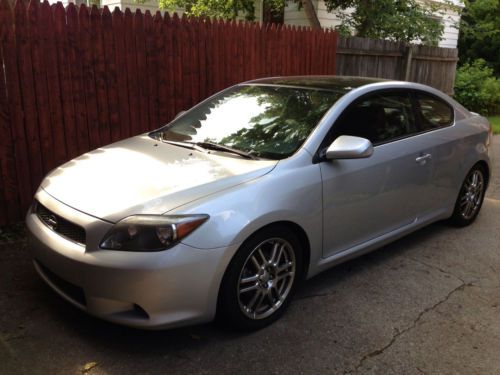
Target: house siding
<point x="295" y="16"/>
<point x="450" y="35"/>
<point x="327" y="20"/>
<point x="151" y="5"/>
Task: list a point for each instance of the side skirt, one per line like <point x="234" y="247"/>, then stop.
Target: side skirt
<point x="378" y="242"/>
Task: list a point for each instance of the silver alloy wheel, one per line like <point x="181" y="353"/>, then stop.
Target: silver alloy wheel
<point x="472" y="194"/>
<point x="266" y="278"/>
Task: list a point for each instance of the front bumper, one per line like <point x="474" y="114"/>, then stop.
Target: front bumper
<point x="148" y="290"/>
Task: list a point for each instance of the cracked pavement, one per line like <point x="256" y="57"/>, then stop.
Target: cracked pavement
<point x="426" y="304"/>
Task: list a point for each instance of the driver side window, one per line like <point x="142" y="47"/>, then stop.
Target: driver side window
<point x="379" y="117"/>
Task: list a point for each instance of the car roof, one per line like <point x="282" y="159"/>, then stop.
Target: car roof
<point x="334" y="83"/>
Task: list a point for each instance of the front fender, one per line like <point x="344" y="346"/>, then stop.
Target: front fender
<point x="286" y="194"/>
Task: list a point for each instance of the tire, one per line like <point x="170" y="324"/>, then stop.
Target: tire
<point x="470" y="198"/>
<point x="271" y="263"/>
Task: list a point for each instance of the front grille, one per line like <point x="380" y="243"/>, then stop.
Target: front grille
<point x="60" y="225"/>
<point x="70" y="290"/>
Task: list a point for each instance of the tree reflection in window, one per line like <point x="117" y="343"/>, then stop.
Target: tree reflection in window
<point x="268" y="121"/>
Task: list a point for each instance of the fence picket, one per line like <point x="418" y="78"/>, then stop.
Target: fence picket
<point x="66" y="80"/>
<point x="177" y="63"/>
<point x="121" y="72"/>
<point x="89" y="81"/>
<point x="152" y="69"/>
<point x="184" y="64"/>
<point x="96" y="32"/>
<point x="9" y="187"/>
<point x="142" y="73"/>
<point x="14" y="101"/>
<point x="23" y="52"/>
<point x="202" y="58"/>
<point x="133" y="83"/>
<point x="56" y="132"/>
<point x="77" y="79"/>
<point x="162" y="70"/>
<point x="111" y="75"/>
<point x="169" y="67"/>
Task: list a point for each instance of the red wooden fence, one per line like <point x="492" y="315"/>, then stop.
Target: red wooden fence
<point x="74" y="79"/>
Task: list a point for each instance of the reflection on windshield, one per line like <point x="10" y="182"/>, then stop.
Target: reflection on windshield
<point x="266" y="121"/>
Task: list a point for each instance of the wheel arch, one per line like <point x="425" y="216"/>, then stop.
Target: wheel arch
<point x="456" y="217"/>
<point x="486" y="169"/>
<point x="295" y="229"/>
<point x="303" y="239"/>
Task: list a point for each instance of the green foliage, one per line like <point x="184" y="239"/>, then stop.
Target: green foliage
<point x="477" y="89"/>
<point x="403" y="20"/>
<point x="228" y="9"/>
<point x="495" y="123"/>
<point x="480" y="32"/>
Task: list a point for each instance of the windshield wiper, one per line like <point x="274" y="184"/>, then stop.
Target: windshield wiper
<point x="204" y="146"/>
<point x="190" y="145"/>
<point x="217" y="147"/>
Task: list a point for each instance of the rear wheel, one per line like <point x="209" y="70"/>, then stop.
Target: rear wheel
<point x="470" y="198"/>
<point x="260" y="280"/>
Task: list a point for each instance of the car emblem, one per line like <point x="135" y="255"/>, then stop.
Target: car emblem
<point x="52" y="222"/>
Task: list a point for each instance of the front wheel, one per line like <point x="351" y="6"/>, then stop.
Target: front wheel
<point x="260" y="280"/>
<point x="470" y="198"/>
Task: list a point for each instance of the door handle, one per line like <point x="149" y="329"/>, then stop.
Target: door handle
<point x="422" y="159"/>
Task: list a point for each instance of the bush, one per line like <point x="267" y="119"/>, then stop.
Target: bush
<point x="477" y="89"/>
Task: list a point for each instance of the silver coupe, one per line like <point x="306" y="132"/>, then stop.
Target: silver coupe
<point x="221" y="212"/>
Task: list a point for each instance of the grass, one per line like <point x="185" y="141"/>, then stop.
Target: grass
<point x="495" y="123"/>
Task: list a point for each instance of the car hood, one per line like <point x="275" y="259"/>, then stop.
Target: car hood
<point x="143" y="176"/>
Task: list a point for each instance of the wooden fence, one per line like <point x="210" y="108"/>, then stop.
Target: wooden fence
<point x="74" y="79"/>
<point x="432" y="66"/>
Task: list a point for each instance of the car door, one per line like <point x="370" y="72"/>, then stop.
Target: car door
<point x="366" y="198"/>
<point x="435" y="118"/>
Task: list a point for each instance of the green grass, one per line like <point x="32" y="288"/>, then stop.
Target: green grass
<point x="495" y="123"/>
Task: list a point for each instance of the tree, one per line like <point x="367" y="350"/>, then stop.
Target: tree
<point x="228" y="9"/>
<point x="401" y="20"/>
<point x="480" y="33"/>
<point x="477" y="89"/>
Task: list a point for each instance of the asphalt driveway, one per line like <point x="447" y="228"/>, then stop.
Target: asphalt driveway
<point x="429" y="303"/>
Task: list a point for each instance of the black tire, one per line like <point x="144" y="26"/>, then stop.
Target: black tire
<point x="470" y="197"/>
<point x="234" y="308"/>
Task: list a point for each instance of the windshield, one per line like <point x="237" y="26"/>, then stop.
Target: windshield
<point x="270" y="122"/>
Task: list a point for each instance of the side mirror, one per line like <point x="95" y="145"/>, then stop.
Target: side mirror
<point x="349" y="147"/>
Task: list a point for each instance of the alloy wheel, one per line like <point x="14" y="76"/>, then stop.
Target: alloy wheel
<point x="472" y="194"/>
<point x="266" y="278"/>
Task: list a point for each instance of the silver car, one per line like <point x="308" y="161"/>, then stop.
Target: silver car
<point x="221" y="212"/>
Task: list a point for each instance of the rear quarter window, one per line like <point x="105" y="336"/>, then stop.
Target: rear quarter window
<point x="433" y="112"/>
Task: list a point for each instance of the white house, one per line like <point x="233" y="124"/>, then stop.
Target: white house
<point x="292" y="15"/>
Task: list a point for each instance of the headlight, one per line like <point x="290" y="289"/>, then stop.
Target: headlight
<point x="150" y="232"/>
